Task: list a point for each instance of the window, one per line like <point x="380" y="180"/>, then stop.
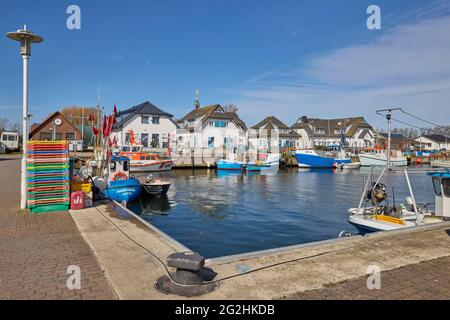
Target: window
<point x="155" y="140"/>
<point x="144" y="139"/>
<point x="58" y="136"/>
<point x="446" y="187"/>
<point x="112" y="166"/>
<point x="127" y="138"/>
<point x="220" y="124"/>
<point x="125" y="166"/>
<point x="210" y="142"/>
<point x="70" y="136"/>
<point x="319" y="131"/>
<point x="211" y="124"/>
<point x="437" y="186"/>
<point x="11" y="137"/>
<point x="225" y="142"/>
<point x="155" y="120"/>
<point x="144" y="119"/>
<point x="45" y="136"/>
<point x="126" y="149"/>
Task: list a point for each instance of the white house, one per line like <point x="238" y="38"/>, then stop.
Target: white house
<point x="152" y="127"/>
<point x="209" y="133"/>
<point x="433" y="142"/>
<point x="329" y="132"/>
<point x="272" y="135"/>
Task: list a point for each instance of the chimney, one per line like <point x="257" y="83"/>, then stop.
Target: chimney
<point x="304" y="119"/>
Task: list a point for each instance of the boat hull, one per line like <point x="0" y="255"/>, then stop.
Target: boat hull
<point x="156" y="189"/>
<point x="123" y="190"/>
<point x="367" y="161"/>
<point x="151" y="167"/>
<point x="310" y="159"/>
<point x="229" y="165"/>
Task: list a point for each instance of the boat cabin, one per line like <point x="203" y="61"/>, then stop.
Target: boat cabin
<point x="135" y="153"/>
<point x="441" y="184"/>
<point x="119" y="168"/>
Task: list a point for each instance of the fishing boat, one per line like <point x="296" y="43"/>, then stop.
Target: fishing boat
<point x="153" y="186"/>
<point x="374" y="213"/>
<point x="230" y="165"/>
<point x="142" y="161"/>
<point x="265" y="162"/>
<point x="378" y="157"/>
<point x="120" y="186"/>
<point x="314" y="159"/>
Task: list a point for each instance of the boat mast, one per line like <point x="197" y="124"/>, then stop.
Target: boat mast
<point x="389" y="120"/>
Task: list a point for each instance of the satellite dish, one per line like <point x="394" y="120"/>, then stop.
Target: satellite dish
<point x="58" y="122"/>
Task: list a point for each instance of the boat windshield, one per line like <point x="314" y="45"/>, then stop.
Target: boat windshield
<point x="126" y="149"/>
<point x="437" y="186"/>
<point x="135" y="149"/>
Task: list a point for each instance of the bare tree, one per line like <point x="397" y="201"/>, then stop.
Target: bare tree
<point x="230" y="108"/>
<point x="3" y="124"/>
<point x="15" y="127"/>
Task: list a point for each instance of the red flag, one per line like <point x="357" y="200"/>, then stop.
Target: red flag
<point x="105" y="123"/>
<point x="95" y="130"/>
<point x="115" y="110"/>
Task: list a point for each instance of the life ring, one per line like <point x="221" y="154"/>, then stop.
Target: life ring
<point x="119" y="176"/>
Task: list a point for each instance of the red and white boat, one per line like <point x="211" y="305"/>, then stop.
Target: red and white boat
<point x="142" y="161"/>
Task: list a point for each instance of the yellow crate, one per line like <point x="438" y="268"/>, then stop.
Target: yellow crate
<point x="80" y="186"/>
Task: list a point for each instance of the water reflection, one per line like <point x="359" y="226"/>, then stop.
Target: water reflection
<point x="220" y="213"/>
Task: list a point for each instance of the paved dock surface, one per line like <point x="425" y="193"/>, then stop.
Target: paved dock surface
<point x="429" y="280"/>
<point x="36" y="249"/>
<point x="294" y="272"/>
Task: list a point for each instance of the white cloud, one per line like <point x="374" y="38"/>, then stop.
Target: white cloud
<point x="408" y="66"/>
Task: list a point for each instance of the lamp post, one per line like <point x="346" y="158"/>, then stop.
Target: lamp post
<point x="26" y="38"/>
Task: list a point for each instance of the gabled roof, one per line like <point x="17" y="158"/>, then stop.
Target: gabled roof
<point x="47" y="120"/>
<point x="330" y="126"/>
<point x="270" y="120"/>
<point x="272" y="123"/>
<point x="436" y="137"/>
<point x="201" y="112"/>
<point x="143" y="108"/>
<point x="213" y="111"/>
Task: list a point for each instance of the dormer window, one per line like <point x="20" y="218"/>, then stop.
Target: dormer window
<point x="319" y="131"/>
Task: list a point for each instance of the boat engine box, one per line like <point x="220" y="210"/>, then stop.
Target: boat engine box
<point x="77" y="200"/>
<point x="88" y="200"/>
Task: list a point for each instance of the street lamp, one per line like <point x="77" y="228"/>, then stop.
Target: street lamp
<point x="26" y="38"/>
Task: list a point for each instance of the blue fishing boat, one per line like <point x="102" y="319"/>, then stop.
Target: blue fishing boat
<point x="120" y="186"/>
<point x="230" y="165"/>
<point x="312" y="159"/>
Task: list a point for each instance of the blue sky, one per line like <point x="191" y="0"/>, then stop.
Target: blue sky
<point x="282" y="58"/>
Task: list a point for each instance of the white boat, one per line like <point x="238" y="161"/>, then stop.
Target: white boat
<point x="141" y="161"/>
<point x="374" y="214"/>
<point x="440" y="163"/>
<point x="378" y="157"/>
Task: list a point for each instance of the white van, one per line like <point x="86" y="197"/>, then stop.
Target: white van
<point x="10" y="140"/>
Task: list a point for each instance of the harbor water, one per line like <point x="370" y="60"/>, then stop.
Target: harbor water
<point x="219" y="214"/>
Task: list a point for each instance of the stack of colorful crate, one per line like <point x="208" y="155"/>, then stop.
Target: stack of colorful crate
<point x="48" y="176"/>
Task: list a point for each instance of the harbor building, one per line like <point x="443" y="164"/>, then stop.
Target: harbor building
<point x="57" y="127"/>
<point x="398" y="141"/>
<point x="207" y="134"/>
<point x="329" y="132"/>
<point x="153" y="128"/>
<point x="272" y="135"/>
<point x="433" y="142"/>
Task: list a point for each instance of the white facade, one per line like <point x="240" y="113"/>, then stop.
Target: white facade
<point x="428" y="144"/>
<point x="363" y="137"/>
<point x="151" y="131"/>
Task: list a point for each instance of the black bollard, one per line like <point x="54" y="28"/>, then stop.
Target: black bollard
<point x="191" y="278"/>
